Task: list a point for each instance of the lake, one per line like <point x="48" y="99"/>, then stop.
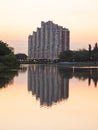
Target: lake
<point x="49" y="97"/>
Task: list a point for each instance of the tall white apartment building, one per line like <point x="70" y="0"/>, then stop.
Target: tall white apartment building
<point x="48" y="41"/>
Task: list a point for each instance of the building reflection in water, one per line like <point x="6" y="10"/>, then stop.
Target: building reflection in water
<point x="47" y="84"/>
<point x="50" y="83"/>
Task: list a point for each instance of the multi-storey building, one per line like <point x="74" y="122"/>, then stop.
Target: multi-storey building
<point x="48" y="41"/>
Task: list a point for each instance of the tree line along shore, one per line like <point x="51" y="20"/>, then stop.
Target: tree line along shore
<point x="81" y="57"/>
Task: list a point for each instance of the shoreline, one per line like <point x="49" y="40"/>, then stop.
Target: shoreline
<point x="79" y="64"/>
<point x="67" y="64"/>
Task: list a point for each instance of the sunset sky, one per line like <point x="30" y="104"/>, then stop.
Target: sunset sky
<point x="19" y="18"/>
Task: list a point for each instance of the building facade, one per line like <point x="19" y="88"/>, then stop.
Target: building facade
<point x="48" y="41"/>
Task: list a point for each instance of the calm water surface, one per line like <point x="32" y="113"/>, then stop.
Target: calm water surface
<point x="40" y="97"/>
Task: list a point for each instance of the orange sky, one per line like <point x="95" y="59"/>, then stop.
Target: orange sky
<point x="19" y="18"/>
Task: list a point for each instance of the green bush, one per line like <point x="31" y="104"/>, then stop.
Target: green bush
<point x="7" y="57"/>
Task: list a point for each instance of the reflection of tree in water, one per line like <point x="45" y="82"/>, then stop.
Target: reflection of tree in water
<point x="23" y="69"/>
<point x="80" y="73"/>
<point x="6" y="77"/>
<point x="50" y="84"/>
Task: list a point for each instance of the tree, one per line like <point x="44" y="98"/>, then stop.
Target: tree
<point x="95" y="48"/>
<point x="66" y="55"/>
<point x="21" y="56"/>
<point x="81" y="55"/>
<point x="90" y="47"/>
<point x="7" y="57"/>
<point x="90" y="52"/>
<point x="4" y="49"/>
<point x="95" y="53"/>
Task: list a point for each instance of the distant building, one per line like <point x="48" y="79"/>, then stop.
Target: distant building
<point x="48" y="41"/>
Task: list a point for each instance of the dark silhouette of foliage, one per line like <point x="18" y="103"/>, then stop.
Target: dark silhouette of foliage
<point x="4" y="49"/>
<point x="7" y="57"/>
<point x="6" y="77"/>
<point x="95" y="48"/>
<point x="80" y="73"/>
<point x="66" y="55"/>
<point x="21" y="56"/>
<point x="81" y="55"/>
<point x="95" y="53"/>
